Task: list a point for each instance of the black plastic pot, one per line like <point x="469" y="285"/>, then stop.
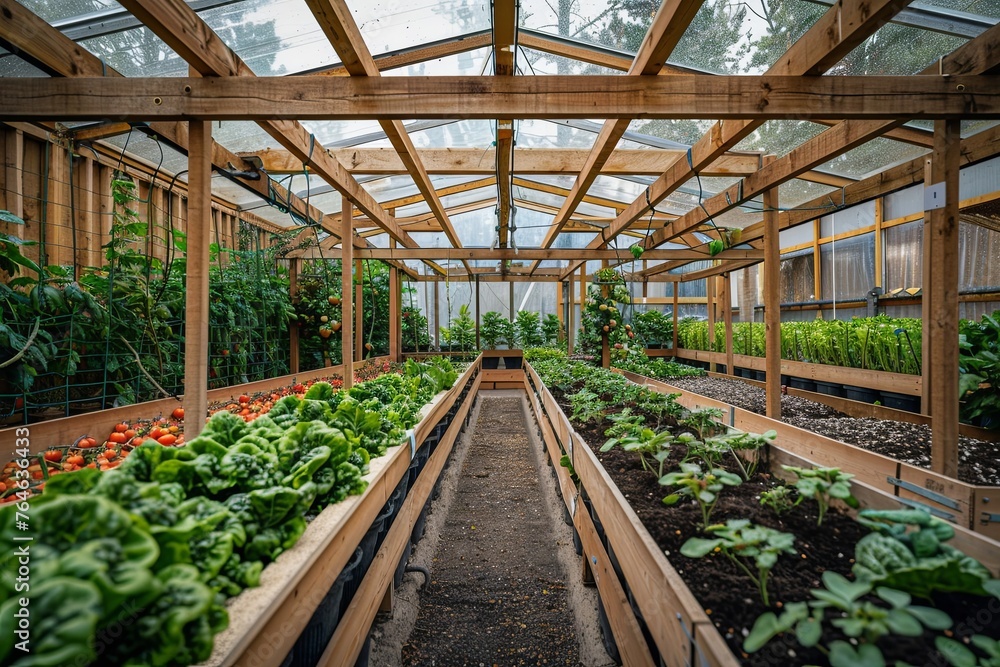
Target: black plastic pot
<point x="577" y="543"/>
<point x="891" y="399"/>
<point x="803" y="384"/>
<point x="760" y="376"/>
<point x="830" y="388"/>
<point x="863" y="394"/>
<point x="606" y="635"/>
<point x="512" y="363"/>
<point x="491" y="363"/>
<point x="420" y="524"/>
<point x="366" y="651"/>
<point x="314" y="639"/>
<point x="745" y="372"/>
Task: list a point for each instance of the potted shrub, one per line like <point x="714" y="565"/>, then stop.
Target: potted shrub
<point x="461" y="335"/>
<point x="508" y="340"/>
<point x="526" y="328"/>
<point x="491" y="332"/>
<point x="552" y="330"/>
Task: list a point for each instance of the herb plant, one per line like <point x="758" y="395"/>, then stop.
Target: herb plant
<point x="780" y="499"/>
<point x="742" y="541"/>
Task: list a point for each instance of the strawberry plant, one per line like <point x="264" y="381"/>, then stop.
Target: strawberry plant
<point x="703" y="487"/>
<point x="822" y="485"/>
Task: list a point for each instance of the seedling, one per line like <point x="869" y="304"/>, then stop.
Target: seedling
<point x="704" y="422"/>
<point x="742" y="541"/>
<point x="702" y="487"/>
<point x="960" y="655"/>
<point x="587" y="406"/>
<point x="780" y="499"/>
<point x="862" y="620"/>
<point x="822" y="484"/>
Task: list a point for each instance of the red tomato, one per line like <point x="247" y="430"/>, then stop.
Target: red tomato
<point x="75" y="460"/>
<point x="130" y="433"/>
<point x="121" y="428"/>
<point x="155" y="432"/>
<point x="53" y="456"/>
<point x="178" y="413"/>
<point x="138" y="440"/>
<point x="244" y="398"/>
<point x="167" y="439"/>
<point x="118" y="438"/>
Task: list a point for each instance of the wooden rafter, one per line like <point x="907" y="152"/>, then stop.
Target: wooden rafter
<point x="970" y="58"/>
<point x="183" y="30"/>
<point x="833" y="36"/>
<point x="558" y="254"/>
<point x="442" y="49"/>
<point x="668" y="26"/>
<point x="340" y="28"/>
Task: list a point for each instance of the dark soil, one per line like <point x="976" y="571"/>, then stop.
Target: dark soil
<point x="978" y="460"/>
<point x="497" y="594"/>
<point x="728" y="596"/>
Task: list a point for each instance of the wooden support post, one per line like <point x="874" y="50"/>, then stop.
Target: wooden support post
<point x="395" y="313"/>
<point x="560" y="301"/>
<point x="196" y="304"/>
<point x="570" y="315"/>
<point x="346" y="291"/>
<point x="879" y="245"/>
<point x="772" y="306"/>
<point x="942" y="327"/>
<point x="359" y="311"/>
<point x="478" y="344"/>
<point x="437" y="314"/>
<point x="14" y="170"/>
<point x="727" y="316"/>
<point x="89" y="225"/>
<point x="605" y="348"/>
<point x="817" y="269"/>
<point x="676" y="288"/>
<point x="59" y="231"/>
<point x="710" y="303"/>
<point x="294" y="267"/>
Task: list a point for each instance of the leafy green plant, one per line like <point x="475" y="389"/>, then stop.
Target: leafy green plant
<point x="959" y="655"/>
<point x="587" y="407"/>
<point x="860" y="619"/>
<point x="700" y="486"/>
<point x="704" y="422"/>
<point x="822" y="485"/>
<point x="644" y="441"/>
<point x="653" y="327"/>
<point x="907" y="550"/>
<point x="527" y="329"/>
<point x="491" y="329"/>
<point x="462" y="332"/>
<point x="663" y="407"/>
<point x="979" y="367"/>
<point x="552" y="329"/>
<point x="780" y="499"/>
<point x="742" y="541"/>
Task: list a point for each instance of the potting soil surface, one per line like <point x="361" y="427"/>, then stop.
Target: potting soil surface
<point x="978" y="460"/>
<point x="497" y="594"/>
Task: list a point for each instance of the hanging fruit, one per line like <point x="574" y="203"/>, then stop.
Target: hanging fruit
<point x="335" y="325"/>
<point x="324" y="332"/>
<point x="334" y="300"/>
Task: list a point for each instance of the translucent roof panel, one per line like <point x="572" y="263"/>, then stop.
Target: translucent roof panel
<point x="684" y="132"/>
<point x="241" y="135"/>
<point x="156" y="153"/>
<point x="780" y="137"/>
<point x="530" y="61"/>
<point x="329" y="132"/>
<point x="534" y="133"/>
<point x="64" y="10"/>
<point x="990" y="9"/>
<point x="272" y="36"/>
<point x="467" y="63"/>
<point x="461" y="134"/>
<point x="872" y="157"/>
<point x="897" y="50"/>
<point x="12" y="66"/>
<point x="389" y="25"/>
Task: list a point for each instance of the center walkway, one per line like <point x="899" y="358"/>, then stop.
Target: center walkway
<point x="499" y="593"/>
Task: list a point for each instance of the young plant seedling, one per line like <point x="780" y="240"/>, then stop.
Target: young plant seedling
<point x="822" y="484"/>
<point x="742" y="541"/>
<point x="862" y="620"/>
<point x="587" y="406"/>
<point x="702" y="487"/>
<point x="959" y="655"/>
<point x="704" y="421"/>
<point x="645" y="441"/>
<point x="780" y="499"/>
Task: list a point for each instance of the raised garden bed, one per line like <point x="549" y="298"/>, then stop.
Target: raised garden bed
<point x="689" y="622"/>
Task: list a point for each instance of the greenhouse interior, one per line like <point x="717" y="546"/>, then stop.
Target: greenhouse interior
<point x="507" y="332"/>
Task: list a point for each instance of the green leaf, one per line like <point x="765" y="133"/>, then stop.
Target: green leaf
<point x="935" y="619"/>
<point x="955" y="652"/>
<point x="764" y="629"/>
<point x="898" y="599"/>
<point x="843" y="654"/>
<point x="809" y="631"/>
<point x="10" y="218"/>
<point x="902" y="623"/>
<point x="696" y="547"/>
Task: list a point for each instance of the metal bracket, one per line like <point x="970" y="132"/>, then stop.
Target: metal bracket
<point x="988" y="517"/>
<point x="695" y="651"/>
<point x="933" y="511"/>
<point x="920" y="491"/>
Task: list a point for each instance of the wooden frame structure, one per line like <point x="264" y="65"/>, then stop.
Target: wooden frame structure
<point x="959" y="86"/>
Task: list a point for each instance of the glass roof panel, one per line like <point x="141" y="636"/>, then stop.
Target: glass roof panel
<point x="13" y="66"/>
<point x="983" y="8"/>
<point x="467" y="63"/>
<point x="530" y="61"/>
<point x="57" y="12"/>
<point x="461" y="134"/>
<point x="137" y="52"/>
<point x="242" y="135"/>
<point x="156" y="153"/>
<point x="537" y="133"/>
<point x="780" y="137"/>
<point x="897" y="50"/>
<point x="389" y="25"/>
<point x="683" y="132"/>
<point x="872" y="157"/>
<point x="272" y="36"/>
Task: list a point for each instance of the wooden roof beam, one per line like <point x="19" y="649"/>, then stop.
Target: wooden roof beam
<point x="407" y="57"/>
<point x="473" y="161"/>
<point x="338" y="24"/>
<point x="833" y="36"/>
<point x="666" y="30"/>
<point x="504" y="59"/>
<point x="185" y="32"/>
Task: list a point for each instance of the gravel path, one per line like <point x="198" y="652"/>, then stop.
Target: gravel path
<point x="979" y="461"/>
<point x="499" y="594"/>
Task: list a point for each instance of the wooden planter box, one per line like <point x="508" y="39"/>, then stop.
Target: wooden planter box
<point x="900" y="383"/>
<point x="968" y="505"/>
<point x="266" y="621"/>
<point x="503" y="378"/>
<point x="682" y="632"/>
